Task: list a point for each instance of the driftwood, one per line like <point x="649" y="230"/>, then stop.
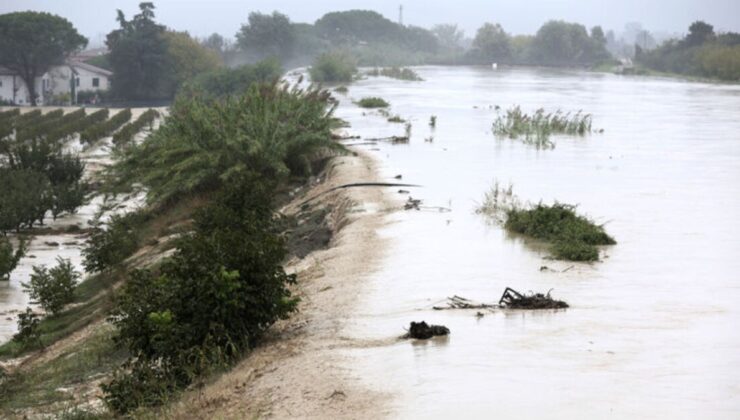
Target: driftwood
<point x="458" y="302"/>
<point x="422" y="330"/>
<point x="511" y="299"/>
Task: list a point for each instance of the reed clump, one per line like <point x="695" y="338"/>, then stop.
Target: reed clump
<point x="536" y="128"/>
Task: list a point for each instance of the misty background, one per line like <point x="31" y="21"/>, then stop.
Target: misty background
<point x="664" y="18"/>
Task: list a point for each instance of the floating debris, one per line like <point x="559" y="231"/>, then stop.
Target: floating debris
<point x="511" y="299"/>
<point x="422" y="330"/>
<point x="412" y="204"/>
<point x="459" y="302"/>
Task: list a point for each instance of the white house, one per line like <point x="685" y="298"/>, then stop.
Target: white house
<point x="59" y="85"/>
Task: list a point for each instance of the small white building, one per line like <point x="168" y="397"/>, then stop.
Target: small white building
<point x="62" y="84"/>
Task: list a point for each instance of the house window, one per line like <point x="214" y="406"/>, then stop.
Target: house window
<point x="77" y="82"/>
<point x="96" y="82"/>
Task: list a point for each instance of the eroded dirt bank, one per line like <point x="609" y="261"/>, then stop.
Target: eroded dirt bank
<point x="298" y="371"/>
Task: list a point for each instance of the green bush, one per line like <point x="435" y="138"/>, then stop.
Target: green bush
<point x="226" y="82"/>
<point x="10" y="256"/>
<point x="28" y="333"/>
<point x="574" y="237"/>
<point x="109" y="246"/>
<point x="373" y="102"/>
<point x="53" y="288"/>
<point x="25" y="196"/>
<point x="208" y="303"/>
<point x="401" y="73"/>
<point x="333" y="67"/>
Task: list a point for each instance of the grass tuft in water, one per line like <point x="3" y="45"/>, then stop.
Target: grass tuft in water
<point x="537" y="128"/>
<point x="400" y="73"/>
<point x="373" y="102"/>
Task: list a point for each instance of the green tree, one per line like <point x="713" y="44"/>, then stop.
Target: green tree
<point x="699" y="33"/>
<point x="492" y="43"/>
<point x="32" y="42"/>
<point x="53" y="288"/>
<point x="10" y="256"/>
<point x="267" y="36"/>
<point x="450" y="37"/>
<point x="187" y="59"/>
<point x="138" y="56"/>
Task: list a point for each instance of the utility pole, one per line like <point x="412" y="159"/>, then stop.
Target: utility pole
<point x="400" y="15"/>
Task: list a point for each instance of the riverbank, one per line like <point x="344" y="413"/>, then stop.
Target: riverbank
<point x="299" y="371"/>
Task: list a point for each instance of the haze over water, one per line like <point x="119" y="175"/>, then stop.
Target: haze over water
<point x="652" y="328"/>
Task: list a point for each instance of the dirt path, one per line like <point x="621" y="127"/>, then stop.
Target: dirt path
<point x="300" y="372"/>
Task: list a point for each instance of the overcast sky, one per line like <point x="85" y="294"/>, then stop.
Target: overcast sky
<point x="95" y="18"/>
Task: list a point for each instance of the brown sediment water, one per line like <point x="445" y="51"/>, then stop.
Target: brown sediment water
<point x="652" y="329"/>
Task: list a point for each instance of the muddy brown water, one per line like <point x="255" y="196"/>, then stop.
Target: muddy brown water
<point x="653" y="329"/>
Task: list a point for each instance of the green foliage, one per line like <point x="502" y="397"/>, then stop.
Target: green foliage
<point x="10" y="256"/>
<point x="139" y="57"/>
<point x="226" y="82"/>
<point x="333" y="67"/>
<point x="25" y="196"/>
<point x="267" y="36"/>
<point x="492" y="44"/>
<point x="401" y="73"/>
<point x="28" y="329"/>
<point x="273" y="130"/>
<point x="208" y="303"/>
<point x="53" y="288"/>
<point x="75" y="125"/>
<point x="32" y="42"/>
<point x="373" y="102"/>
<point x="537" y="127"/>
<point x="111" y="245"/>
<point x="186" y="59"/>
<point x="559" y="43"/>
<point x="701" y="53"/>
<point x="574" y="237"/>
<point x="126" y="134"/>
<point x="105" y="128"/>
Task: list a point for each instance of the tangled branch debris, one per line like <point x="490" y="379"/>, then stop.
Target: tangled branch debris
<point x="458" y="302"/>
<point x="511" y="299"/>
<point x="423" y="331"/>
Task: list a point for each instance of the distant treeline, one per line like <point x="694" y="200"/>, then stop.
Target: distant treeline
<point x="701" y="53"/>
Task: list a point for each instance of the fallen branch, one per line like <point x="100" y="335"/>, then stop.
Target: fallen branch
<point x="458" y="302"/>
<point x="359" y="184"/>
<point x="511" y="299"/>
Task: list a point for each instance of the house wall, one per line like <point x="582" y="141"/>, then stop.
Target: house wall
<point x="55" y="82"/>
<point x="21" y="95"/>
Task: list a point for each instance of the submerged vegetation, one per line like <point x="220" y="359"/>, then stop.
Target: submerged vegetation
<point x="537" y="128"/>
<point x="373" y="102"/>
<point x="400" y="73"/>
<point x="571" y="236"/>
<point x="333" y="67"/>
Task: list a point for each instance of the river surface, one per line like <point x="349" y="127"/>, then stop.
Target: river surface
<point x="654" y="328"/>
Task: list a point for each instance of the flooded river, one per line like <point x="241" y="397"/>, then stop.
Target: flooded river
<point x="654" y="328"/>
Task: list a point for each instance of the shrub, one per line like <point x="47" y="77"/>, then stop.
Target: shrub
<point x="226" y="82"/>
<point x="53" y="288"/>
<point x="208" y="303"/>
<point x="373" y="102"/>
<point x="28" y="333"/>
<point x="333" y="67"/>
<point x="25" y="196"/>
<point x="109" y="246"/>
<point x="10" y="257"/>
<point x="574" y="237"/>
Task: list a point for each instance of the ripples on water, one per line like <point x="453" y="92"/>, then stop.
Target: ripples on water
<point x="653" y="329"/>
